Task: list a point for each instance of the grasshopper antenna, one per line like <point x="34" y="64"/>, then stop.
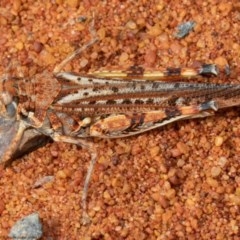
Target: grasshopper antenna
<point x="78" y="51"/>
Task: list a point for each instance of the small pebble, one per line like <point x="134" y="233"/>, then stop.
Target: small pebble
<point x="164" y="202"/>
<point x="180" y="163"/>
<point x="126" y="188"/>
<point x="3" y="21"/>
<point x="221" y="61"/>
<point x="27" y="228"/>
<point x="37" y="46"/>
<point x="215" y="171"/>
<point x="175" y="152"/>
<point x="212" y="182"/>
<point x="61" y="174"/>
<point x="16" y="6"/>
<point x="155" y="30"/>
<point x="218" y="141"/>
<point x="170" y="193"/>
<point x="201" y="43"/>
<point x="131" y="25"/>
<point x="101" y="33"/>
<point x="182" y="147"/>
<point x="176" y="48"/>
<point x="106" y="195"/>
<point x="154" y="151"/>
<point x="19" y="45"/>
<point x="160" y="6"/>
<point x="150" y="57"/>
<point x="123" y="57"/>
<point x="184" y="29"/>
<point x="237" y="192"/>
<point x="46" y="57"/>
<point x="222" y="161"/>
<point x="83" y="63"/>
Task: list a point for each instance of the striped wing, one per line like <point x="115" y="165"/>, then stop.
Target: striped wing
<point x="118" y="107"/>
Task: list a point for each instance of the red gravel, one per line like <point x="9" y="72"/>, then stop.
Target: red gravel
<point x="178" y="182"/>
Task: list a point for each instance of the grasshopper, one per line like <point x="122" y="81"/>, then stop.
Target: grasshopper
<point x="72" y="107"/>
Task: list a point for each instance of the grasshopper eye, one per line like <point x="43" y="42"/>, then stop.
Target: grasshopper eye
<point x="11" y="109"/>
<point x="8" y="111"/>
